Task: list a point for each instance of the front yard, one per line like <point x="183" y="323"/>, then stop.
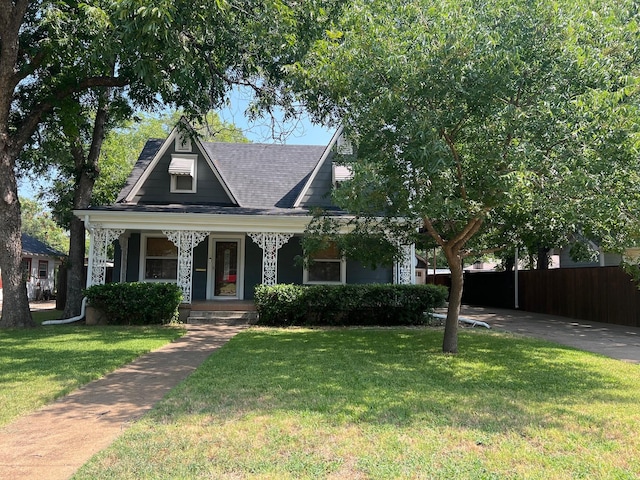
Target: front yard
<point x="42" y="364"/>
<point x="384" y="403"/>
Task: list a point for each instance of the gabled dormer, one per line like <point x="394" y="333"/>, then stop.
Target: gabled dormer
<point x="177" y="170"/>
<point x="327" y="174"/>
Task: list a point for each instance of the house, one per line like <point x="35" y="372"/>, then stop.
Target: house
<point x="40" y="263"/>
<point x="221" y="218"/>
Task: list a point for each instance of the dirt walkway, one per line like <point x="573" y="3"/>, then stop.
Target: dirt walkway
<point x="55" y="441"/>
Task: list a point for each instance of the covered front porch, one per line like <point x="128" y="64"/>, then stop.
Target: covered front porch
<point x="217" y="260"/>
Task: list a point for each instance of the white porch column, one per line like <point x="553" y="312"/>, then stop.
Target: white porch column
<point x="100" y="239"/>
<point x="404" y="269"/>
<point x="270" y="243"/>
<point x="186" y="241"/>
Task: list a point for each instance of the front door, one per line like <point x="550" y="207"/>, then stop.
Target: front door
<point x="226" y="269"/>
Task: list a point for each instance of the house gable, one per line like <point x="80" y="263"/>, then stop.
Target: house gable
<point x="316" y="191"/>
<point x="177" y="170"/>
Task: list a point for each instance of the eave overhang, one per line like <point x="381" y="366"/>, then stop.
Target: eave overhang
<point x="154" y="221"/>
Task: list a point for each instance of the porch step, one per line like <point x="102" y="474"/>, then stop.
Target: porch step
<point x="226" y="317"/>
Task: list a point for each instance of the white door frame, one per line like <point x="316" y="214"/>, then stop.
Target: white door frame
<point x="214" y="239"/>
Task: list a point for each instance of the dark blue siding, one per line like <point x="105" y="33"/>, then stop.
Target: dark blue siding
<point x="200" y="263"/>
<point x="252" y="267"/>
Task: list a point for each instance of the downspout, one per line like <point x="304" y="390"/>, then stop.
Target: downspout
<point x="516" y="298"/>
<point x="72" y="319"/>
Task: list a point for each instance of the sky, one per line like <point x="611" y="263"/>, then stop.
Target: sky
<point x="299" y="132"/>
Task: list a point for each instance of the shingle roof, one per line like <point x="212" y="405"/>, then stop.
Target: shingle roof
<point x="33" y="246"/>
<point x="148" y="152"/>
<point x="265" y="175"/>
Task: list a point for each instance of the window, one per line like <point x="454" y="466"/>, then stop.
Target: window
<point x="340" y="174"/>
<point x="25" y="266"/>
<point x="327" y="267"/>
<point x="183" y="143"/>
<point x="43" y="269"/>
<point x="183" y="169"/>
<point x="160" y="259"/>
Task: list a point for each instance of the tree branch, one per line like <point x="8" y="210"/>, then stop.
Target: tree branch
<point x="30" y="123"/>
<point x="456" y="158"/>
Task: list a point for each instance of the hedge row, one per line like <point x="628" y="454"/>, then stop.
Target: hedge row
<point x="136" y="303"/>
<point x="372" y="304"/>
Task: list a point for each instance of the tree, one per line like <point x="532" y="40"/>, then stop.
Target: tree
<point x="473" y="119"/>
<point x="37" y="222"/>
<point x="51" y="53"/>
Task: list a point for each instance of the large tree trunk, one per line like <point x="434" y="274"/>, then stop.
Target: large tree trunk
<point x="450" y="341"/>
<point x="75" y="269"/>
<point x="87" y="171"/>
<point x="543" y="258"/>
<point x="15" y="304"/>
<point x="15" y="307"/>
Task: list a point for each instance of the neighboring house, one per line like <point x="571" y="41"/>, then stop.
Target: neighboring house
<point x="39" y="264"/>
<point x="220" y="218"/>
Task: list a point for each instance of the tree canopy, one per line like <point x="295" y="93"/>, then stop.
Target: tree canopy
<point x="55" y="54"/>
<point x="485" y="125"/>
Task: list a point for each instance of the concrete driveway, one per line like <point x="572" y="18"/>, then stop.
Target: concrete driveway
<point x="615" y="341"/>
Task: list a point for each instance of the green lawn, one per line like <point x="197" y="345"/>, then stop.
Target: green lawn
<point x="41" y="364"/>
<point x="384" y="403"/>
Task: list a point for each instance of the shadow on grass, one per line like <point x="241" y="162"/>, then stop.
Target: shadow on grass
<point x="397" y="377"/>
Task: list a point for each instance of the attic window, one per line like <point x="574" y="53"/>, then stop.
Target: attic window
<point x="341" y="173"/>
<point x="183" y="173"/>
<point x="344" y="146"/>
<point x="183" y="143"/>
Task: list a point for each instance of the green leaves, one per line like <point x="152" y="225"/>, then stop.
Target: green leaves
<point x="460" y="109"/>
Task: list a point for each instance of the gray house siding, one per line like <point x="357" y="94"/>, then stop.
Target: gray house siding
<point x="288" y="271"/>
<point x="610" y="260"/>
<point x="319" y="192"/>
<point x="200" y="262"/>
<point x="133" y="258"/>
<point x="157" y="187"/>
<point x="252" y="267"/>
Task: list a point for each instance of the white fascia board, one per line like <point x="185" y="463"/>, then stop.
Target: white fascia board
<point x="195" y="221"/>
<point x="152" y="165"/>
<point x="323" y="159"/>
<point x="165" y="146"/>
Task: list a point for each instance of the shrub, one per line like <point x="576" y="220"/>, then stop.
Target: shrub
<point x="371" y="304"/>
<point x="136" y="303"/>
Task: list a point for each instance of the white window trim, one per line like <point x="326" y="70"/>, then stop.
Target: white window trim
<point x="343" y="272"/>
<point x="182" y="143"/>
<point x="143" y="258"/>
<point x="194" y="183"/>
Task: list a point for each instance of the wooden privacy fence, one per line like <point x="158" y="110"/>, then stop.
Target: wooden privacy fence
<point x="600" y="294"/>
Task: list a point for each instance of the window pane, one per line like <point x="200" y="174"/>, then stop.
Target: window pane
<point x="321" y="271"/>
<point x="159" y="269"/>
<point x="226" y="268"/>
<point x="330" y="252"/>
<point x="161" y="247"/>
<point x="43" y="268"/>
<point x="184" y="182"/>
